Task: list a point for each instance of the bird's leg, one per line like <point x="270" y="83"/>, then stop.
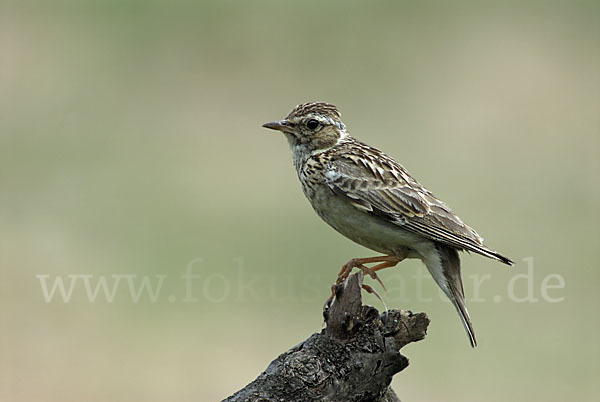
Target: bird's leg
<point x="393" y="260"/>
<point x="384" y="260"/>
<point x="386" y="264"/>
<point x="372" y="274"/>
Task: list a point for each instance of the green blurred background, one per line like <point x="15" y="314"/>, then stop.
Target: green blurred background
<point x="131" y="143"/>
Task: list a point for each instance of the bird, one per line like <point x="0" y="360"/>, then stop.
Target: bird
<point x="371" y="199"/>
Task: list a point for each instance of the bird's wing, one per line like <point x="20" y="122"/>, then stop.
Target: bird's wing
<point x="377" y="184"/>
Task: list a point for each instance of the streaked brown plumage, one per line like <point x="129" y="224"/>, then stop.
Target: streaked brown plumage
<point x="371" y="199"/>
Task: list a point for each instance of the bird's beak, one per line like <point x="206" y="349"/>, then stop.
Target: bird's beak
<point x="280" y="125"/>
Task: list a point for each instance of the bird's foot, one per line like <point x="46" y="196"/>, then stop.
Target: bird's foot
<point x="384" y="261"/>
<point x="329" y="301"/>
<point x="369" y="289"/>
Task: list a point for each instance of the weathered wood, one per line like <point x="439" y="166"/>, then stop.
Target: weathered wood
<point x="353" y="359"/>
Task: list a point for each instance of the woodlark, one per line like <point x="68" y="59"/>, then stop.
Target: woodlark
<point x="371" y="199"/>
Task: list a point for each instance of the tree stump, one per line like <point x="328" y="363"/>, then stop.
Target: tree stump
<point x="353" y="359"/>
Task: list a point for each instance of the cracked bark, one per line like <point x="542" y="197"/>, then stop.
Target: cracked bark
<point x="353" y="359"/>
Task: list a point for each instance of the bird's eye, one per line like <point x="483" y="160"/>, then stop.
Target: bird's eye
<point x="312" y="124"/>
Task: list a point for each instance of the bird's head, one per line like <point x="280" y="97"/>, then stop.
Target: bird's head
<point x="313" y="126"/>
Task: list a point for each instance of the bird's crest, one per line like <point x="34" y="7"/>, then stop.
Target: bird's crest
<point x="322" y="108"/>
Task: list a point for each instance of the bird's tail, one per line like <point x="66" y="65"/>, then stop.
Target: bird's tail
<point x="446" y="272"/>
<point x="493" y="255"/>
